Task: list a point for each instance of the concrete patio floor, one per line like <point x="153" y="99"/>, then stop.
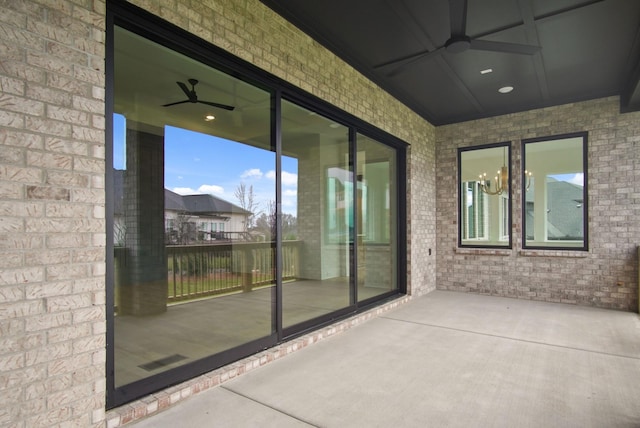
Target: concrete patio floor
<point x="443" y="360"/>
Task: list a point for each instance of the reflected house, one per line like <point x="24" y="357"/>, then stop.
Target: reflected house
<point x="564" y="211"/>
<point x="203" y="218"/>
<point x="188" y="219"/>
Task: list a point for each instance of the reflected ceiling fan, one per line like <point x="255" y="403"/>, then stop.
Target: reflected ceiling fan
<point x="458" y="42"/>
<point x="192" y="97"/>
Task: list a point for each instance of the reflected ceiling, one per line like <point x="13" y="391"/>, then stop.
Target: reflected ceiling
<point x="145" y="80"/>
<point x="146" y="76"/>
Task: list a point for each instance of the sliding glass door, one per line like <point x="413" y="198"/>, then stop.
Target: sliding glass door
<point x="239" y="215"/>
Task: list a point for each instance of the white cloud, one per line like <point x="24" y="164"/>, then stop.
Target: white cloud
<point x="288" y="178"/>
<point x="577" y="179"/>
<point x="183" y="190"/>
<point x="206" y="189"/>
<point x="196" y="159"/>
<point x="252" y="173"/>
<point x="290" y="192"/>
<point x="211" y="189"/>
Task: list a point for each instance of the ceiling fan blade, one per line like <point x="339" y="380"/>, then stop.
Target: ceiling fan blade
<point x="458" y="17"/>
<point x="223" y="106"/>
<point x="398" y="65"/>
<point x="515" y="48"/>
<point x="178" y="102"/>
<point x="186" y="90"/>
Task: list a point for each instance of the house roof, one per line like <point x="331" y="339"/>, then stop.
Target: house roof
<point x="564" y="210"/>
<point x="191" y="204"/>
<point x="206" y="204"/>
<point x="173" y="201"/>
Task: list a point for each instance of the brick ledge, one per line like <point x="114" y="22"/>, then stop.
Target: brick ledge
<point x="483" y="251"/>
<point x="554" y="253"/>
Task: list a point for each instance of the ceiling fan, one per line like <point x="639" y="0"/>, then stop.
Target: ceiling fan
<point x="192" y="97"/>
<point x="459" y="42"/>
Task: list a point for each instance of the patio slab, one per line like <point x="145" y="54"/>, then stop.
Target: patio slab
<point x="445" y="359"/>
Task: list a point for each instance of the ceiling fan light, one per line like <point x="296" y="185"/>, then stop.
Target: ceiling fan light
<point x="209" y="118"/>
<point x="505" y="89"/>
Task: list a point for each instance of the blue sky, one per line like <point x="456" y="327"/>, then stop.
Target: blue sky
<point x="197" y="163"/>
<point x="577" y="178"/>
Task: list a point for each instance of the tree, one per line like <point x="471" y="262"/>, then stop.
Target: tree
<point x="248" y="203"/>
<point x="183" y="231"/>
<point x="289" y="227"/>
<point x="267" y="223"/>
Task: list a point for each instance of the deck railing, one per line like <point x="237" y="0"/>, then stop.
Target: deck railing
<point x="204" y="270"/>
<point x="195" y="271"/>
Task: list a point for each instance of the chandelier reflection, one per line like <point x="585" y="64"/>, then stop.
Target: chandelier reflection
<point x="501" y="180"/>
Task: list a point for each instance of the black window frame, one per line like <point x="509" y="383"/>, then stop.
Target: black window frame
<point x="585" y="192"/>
<point x="461" y="150"/>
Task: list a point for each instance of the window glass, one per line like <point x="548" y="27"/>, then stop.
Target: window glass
<point x="484" y="196"/>
<point x="317" y="211"/>
<point x="554" y="197"/>
<point x="376" y="210"/>
<point x="193" y="275"/>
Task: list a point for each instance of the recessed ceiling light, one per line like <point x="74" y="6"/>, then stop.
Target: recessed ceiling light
<point x="486" y="71"/>
<point x="209" y="117"/>
<point x="505" y="89"/>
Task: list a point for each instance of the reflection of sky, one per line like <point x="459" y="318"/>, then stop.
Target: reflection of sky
<point x="577" y="178"/>
<point x="198" y="163"/>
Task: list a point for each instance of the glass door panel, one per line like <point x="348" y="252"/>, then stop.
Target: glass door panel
<point x="317" y="186"/>
<point x="376" y="198"/>
<point x="193" y="273"/>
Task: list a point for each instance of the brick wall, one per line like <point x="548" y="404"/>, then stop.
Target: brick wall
<point x="52" y="148"/>
<point x="606" y="275"/>
<point x="421" y="227"/>
<point x="52" y="227"/>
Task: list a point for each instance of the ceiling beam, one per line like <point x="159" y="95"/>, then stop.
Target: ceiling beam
<point x="532" y="38"/>
<point x="630" y="92"/>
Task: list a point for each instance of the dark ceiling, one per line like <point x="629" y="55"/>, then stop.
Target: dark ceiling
<point x="575" y="50"/>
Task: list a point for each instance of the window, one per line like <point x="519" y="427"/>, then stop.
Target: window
<point x="555" y="192"/>
<point x="484" y="196"/>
